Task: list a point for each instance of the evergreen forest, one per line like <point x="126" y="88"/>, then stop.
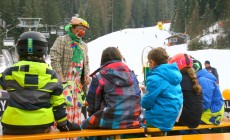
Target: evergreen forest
<point x="192" y="17"/>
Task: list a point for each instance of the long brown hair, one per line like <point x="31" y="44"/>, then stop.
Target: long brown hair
<point x="109" y="54"/>
<point x="192" y="75"/>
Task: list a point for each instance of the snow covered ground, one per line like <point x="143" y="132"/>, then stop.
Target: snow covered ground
<point x="132" y="42"/>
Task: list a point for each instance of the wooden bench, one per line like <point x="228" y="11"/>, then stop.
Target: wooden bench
<point x="224" y="123"/>
<point x="71" y="134"/>
<point x="218" y="136"/>
<point x="103" y="132"/>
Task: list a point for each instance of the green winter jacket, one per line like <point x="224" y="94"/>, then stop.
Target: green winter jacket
<point x="36" y="97"/>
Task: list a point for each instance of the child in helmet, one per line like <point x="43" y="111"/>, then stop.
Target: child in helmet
<point x="213" y="103"/>
<point x="35" y="90"/>
<point x="163" y="97"/>
<point x="192" y="95"/>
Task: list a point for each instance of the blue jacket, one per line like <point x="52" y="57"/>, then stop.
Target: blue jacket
<point x="164" y="98"/>
<point x="212" y="98"/>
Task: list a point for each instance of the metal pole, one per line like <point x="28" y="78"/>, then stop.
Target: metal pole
<point x="145" y="65"/>
<point x="6" y="32"/>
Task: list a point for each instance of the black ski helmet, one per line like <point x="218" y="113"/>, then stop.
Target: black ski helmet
<point x="32" y="43"/>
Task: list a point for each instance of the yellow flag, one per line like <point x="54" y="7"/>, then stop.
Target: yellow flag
<point x="160" y="25"/>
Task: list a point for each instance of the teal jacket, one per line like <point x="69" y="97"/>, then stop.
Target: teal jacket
<point x="163" y="100"/>
<point x="35" y="95"/>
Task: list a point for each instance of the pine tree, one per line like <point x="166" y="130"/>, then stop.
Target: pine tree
<point x="138" y="13"/>
<point x="193" y="26"/>
<point x="149" y="13"/>
<point x="208" y="17"/>
<point x="179" y="23"/>
<point x="118" y="14"/>
<point x="95" y="22"/>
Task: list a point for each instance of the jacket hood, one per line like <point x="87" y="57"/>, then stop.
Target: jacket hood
<point x="117" y="73"/>
<point x="170" y="72"/>
<point x="28" y="73"/>
<point x="206" y="74"/>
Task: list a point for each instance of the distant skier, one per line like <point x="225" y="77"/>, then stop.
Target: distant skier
<point x="211" y="70"/>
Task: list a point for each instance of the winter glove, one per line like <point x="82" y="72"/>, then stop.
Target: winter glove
<point x="68" y="126"/>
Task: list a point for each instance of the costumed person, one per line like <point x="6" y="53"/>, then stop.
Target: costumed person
<point x="69" y="58"/>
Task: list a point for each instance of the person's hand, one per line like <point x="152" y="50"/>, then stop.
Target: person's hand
<point x="87" y="80"/>
<point x="68" y="126"/>
<point x="142" y="87"/>
<point x="63" y="81"/>
<point x="61" y="77"/>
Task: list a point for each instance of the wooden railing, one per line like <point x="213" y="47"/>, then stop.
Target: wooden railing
<point x="104" y="132"/>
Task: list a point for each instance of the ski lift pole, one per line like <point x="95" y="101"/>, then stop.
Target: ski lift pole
<point x="7" y="30"/>
<point x="145" y="65"/>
